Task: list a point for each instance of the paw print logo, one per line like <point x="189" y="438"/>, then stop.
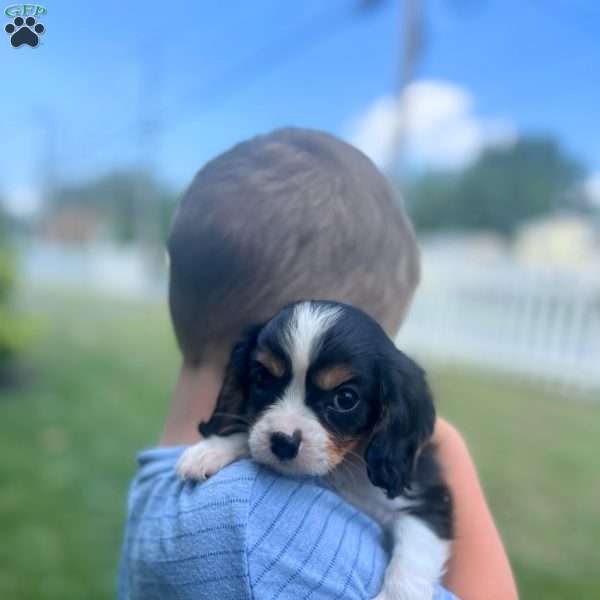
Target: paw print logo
<point x="24" y="32"/>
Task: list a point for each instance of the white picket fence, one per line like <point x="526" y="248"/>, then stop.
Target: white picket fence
<point x="119" y="271"/>
<point x="540" y="324"/>
<point x="537" y="323"/>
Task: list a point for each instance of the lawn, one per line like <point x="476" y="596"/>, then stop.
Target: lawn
<point x="101" y="374"/>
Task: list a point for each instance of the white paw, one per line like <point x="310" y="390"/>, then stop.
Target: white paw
<point x="209" y="456"/>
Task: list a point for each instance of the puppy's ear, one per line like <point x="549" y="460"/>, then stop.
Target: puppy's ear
<point x="405" y="425"/>
<point x="231" y="411"/>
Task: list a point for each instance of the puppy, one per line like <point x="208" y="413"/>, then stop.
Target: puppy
<point x="321" y="390"/>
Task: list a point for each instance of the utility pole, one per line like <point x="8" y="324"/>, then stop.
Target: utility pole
<point x="411" y="40"/>
<point x="411" y="49"/>
<point x="47" y="171"/>
<point x="149" y="127"/>
<point x="45" y="178"/>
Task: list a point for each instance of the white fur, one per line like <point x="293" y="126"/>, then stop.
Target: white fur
<point x="417" y="564"/>
<point x="304" y="333"/>
<point x="418" y="555"/>
<point x="287" y="416"/>
<point x="210" y="455"/>
<point x="301" y="339"/>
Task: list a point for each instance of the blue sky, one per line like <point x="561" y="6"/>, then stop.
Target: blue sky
<point x="218" y="72"/>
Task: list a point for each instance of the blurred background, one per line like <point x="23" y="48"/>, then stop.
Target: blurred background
<point x="484" y="113"/>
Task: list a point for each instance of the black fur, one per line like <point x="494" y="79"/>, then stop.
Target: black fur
<point x="433" y="501"/>
<point x="231" y="411"/>
<point x="405" y="424"/>
<point x="396" y="413"/>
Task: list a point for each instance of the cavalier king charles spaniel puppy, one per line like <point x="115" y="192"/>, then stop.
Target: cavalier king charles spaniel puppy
<point x="321" y="390"/>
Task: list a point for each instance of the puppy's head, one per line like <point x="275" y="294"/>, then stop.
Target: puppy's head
<point x="321" y="380"/>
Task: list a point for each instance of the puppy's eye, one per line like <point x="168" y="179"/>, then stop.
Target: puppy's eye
<point x="345" y="400"/>
<point x="260" y="377"/>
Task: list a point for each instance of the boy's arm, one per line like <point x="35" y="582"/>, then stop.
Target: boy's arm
<point x="479" y="567"/>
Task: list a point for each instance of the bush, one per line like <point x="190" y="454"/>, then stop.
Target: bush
<point x="15" y="330"/>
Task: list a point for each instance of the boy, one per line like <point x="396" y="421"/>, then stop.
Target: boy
<point x="291" y="215"/>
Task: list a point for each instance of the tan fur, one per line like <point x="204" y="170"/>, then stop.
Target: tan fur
<point x="337" y="448"/>
<point x="271" y="363"/>
<point x="330" y="377"/>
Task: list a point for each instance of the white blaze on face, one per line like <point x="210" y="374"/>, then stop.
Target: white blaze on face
<point x="304" y="333"/>
<point x="301" y="341"/>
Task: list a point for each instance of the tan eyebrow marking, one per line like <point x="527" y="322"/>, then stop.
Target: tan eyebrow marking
<point x="271" y="363"/>
<point x="330" y="377"/>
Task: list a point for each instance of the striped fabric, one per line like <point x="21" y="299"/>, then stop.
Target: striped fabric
<point x="246" y="533"/>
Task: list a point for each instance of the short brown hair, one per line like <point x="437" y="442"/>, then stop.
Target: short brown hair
<point x="295" y="214"/>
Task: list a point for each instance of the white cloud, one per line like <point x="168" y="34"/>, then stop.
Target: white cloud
<point x="592" y="188"/>
<point x="440" y="128"/>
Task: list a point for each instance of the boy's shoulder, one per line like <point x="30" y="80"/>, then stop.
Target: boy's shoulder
<point x="247" y="532"/>
<point x="185" y="536"/>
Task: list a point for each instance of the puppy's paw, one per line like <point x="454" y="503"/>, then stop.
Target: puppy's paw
<point x="209" y="456"/>
<point x="200" y="461"/>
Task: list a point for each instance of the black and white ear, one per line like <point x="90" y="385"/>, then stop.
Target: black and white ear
<point x="231" y="411"/>
<point x="405" y="425"/>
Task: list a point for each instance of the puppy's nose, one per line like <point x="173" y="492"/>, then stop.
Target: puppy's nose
<point x="284" y="446"/>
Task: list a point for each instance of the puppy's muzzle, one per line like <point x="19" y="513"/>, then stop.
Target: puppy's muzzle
<point x="284" y="446"/>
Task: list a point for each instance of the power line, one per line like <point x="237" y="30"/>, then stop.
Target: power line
<point x="149" y="127"/>
<point x="47" y="167"/>
<point x="411" y="51"/>
<point x="267" y="58"/>
<point x="251" y="68"/>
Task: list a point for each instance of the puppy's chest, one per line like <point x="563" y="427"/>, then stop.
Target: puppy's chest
<point x="356" y="488"/>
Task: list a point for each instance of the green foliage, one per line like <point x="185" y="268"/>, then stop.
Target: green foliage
<point x="133" y="204"/>
<point x="16" y="333"/>
<point x="7" y="273"/>
<point x="67" y="447"/>
<point x="502" y="189"/>
<point x="15" y="330"/>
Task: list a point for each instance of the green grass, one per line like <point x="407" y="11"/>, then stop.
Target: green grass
<point x="102" y="374"/>
<point x="538" y="456"/>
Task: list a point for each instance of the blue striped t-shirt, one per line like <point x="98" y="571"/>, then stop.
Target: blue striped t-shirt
<point x="247" y="532"/>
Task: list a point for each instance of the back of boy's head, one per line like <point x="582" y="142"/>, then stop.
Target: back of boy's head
<point x="296" y="214"/>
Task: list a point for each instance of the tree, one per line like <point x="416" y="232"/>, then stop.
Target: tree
<point x="134" y="205"/>
<point x="502" y="189"/>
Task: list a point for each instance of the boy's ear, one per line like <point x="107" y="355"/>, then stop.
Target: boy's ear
<point x="231" y="411"/>
<point x="405" y="425"/>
